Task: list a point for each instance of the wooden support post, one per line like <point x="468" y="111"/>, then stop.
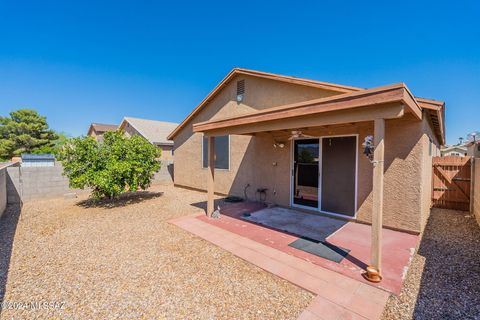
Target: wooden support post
<point x="377" y="210"/>
<point x="211" y="176"/>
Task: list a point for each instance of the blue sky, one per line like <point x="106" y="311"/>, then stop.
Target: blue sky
<point x="97" y="61"/>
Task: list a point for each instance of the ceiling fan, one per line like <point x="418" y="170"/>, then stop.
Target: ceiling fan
<point x="299" y="134"/>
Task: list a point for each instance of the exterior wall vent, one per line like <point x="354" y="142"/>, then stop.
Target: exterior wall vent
<point x="240" y="90"/>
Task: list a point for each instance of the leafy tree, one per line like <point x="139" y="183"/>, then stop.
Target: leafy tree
<point x="25" y="131"/>
<point x="59" y="144"/>
<point x="109" y="168"/>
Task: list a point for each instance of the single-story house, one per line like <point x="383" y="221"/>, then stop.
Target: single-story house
<point x="455" y="150"/>
<point x="97" y="130"/>
<point x="154" y="131"/>
<point x="299" y="143"/>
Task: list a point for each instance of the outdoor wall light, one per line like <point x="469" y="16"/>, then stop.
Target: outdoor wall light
<point x="368" y="147"/>
<point x="280" y="145"/>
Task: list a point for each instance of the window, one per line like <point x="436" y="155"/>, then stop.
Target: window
<point x="430" y="146"/>
<point x="222" y="152"/>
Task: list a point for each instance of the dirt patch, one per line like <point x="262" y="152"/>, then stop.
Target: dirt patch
<point x="443" y="281"/>
<point x="126" y="261"/>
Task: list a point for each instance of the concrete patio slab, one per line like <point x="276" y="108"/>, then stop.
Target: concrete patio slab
<point x="338" y="297"/>
<point x="296" y="222"/>
<point x="398" y="247"/>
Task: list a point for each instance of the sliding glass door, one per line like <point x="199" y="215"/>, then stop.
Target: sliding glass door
<point x="324" y="174"/>
<point x="305" y="172"/>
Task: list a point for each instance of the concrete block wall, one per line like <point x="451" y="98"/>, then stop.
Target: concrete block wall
<point x="3" y="190"/>
<point x="13" y="184"/>
<point x="165" y="174"/>
<point x="25" y="183"/>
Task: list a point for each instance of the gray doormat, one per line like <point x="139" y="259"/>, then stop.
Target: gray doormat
<point x="321" y="249"/>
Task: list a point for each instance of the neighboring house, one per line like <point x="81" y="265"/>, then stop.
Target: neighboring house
<point x="155" y="132"/>
<point x="302" y="141"/>
<point x="97" y="130"/>
<point x="473" y="149"/>
<point x="456" y="150"/>
<point x="38" y="160"/>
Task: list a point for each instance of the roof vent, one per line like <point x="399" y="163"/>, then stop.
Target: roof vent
<point x="240" y="90"/>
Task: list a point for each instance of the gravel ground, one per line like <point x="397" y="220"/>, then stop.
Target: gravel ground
<point x="443" y="281"/>
<point x="125" y="261"/>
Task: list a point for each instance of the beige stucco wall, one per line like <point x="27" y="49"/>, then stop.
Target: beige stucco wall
<point x="166" y="151"/>
<point x="255" y="162"/>
<point x="93" y="134"/>
<point x="476" y="189"/>
<point x="129" y="131"/>
<point x="473" y="151"/>
<point x="258" y="95"/>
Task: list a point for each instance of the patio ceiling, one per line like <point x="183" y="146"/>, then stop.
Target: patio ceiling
<point x="385" y="102"/>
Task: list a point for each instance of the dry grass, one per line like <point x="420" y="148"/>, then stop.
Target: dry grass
<point x="125" y="261"/>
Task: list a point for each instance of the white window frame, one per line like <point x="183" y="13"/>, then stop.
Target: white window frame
<point x="318" y="209"/>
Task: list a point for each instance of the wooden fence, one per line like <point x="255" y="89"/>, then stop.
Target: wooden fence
<point x="451" y="182"/>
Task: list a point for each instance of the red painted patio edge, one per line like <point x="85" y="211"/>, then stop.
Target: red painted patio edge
<point x="337" y="296"/>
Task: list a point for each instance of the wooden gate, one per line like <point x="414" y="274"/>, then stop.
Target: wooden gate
<point x="451" y="182"/>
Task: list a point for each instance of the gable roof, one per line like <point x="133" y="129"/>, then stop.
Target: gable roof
<point x="454" y="147"/>
<point x="154" y="131"/>
<point x="260" y="74"/>
<point x="436" y="108"/>
<point x="101" y="127"/>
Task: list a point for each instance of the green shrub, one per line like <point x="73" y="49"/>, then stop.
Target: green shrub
<point x="116" y="165"/>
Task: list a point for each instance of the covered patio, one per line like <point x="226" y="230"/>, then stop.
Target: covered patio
<point x="348" y="251"/>
<point x="371" y="108"/>
<point x="340" y="290"/>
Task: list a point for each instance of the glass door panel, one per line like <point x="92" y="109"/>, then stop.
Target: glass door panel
<point x="305" y="172"/>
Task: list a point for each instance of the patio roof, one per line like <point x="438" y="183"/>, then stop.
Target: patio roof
<point x="387" y="102"/>
<point x="436" y="110"/>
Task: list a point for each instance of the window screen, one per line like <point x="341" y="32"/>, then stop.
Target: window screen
<point x="222" y="152"/>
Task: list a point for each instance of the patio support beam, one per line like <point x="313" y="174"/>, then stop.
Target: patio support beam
<point x="377" y="210"/>
<point x="211" y="176"/>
